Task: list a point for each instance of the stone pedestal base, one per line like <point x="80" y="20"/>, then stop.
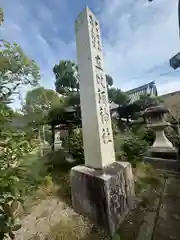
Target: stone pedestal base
<point x="163" y="152"/>
<point x="163" y="158"/>
<point x="104" y="196"/>
<point x="163" y="163"/>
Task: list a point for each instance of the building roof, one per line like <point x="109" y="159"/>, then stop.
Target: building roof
<point x="146" y="89"/>
<point x="135" y="93"/>
<point x="170" y="94"/>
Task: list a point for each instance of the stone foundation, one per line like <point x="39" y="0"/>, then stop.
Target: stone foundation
<point x="163" y="158"/>
<point x="104" y="196"/>
<point x="163" y="152"/>
<point x="163" y="163"/>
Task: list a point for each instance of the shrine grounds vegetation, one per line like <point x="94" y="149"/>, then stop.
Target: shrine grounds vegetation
<point x="35" y="177"/>
<point x="52" y="170"/>
<point x="26" y="177"/>
<point x="147" y="183"/>
<point x="49" y="176"/>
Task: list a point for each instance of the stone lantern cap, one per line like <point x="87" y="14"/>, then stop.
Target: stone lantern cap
<point x="155" y="110"/>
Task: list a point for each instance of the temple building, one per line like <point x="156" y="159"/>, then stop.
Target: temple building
<point x="170" y="100"/>
<point x="146" y="89"/>
<point x="135" y="93"/>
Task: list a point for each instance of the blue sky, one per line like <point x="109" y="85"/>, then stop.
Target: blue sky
<point x="139" y="37"/>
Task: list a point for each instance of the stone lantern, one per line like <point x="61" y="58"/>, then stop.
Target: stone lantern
<point x="162" y="153"/>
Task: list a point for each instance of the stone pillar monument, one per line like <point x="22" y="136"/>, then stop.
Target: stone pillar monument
<point x="102" y="189"/>
<point x="97" y="131"/>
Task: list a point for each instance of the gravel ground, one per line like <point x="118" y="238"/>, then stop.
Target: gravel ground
<point x="43" y="217"/>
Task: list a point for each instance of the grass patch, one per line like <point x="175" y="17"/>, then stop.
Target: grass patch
<point x="60" y="172"/>
<point x="76" y="228"/>
<point x="79" y="228"/>
<point x="44" y="177"/>
<point x="50" y="176"/>
<point x="35" y="182"/>
<point x="145" y="176"/>
<point x="147" y="184"/>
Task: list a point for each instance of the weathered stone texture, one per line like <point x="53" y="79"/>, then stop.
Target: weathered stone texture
<point x="104" y="196"/>
<point x="162" y="163"/>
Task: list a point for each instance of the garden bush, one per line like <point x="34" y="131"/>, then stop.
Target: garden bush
<point x="148" y="136"/>
<point x="133" y="148"/>
<point x="14" y="147"/>
<point x="173" y="137"/>
<point x="55" y="161"/>
<point x="33" y="174"/>
<point x="144" y="133"/>
<point x="76" y="146"/>
<point x="127" y="146"/>
<point x="115" y="127"/>
<point x="118" y="141"/>
<point x="48" y="136"/>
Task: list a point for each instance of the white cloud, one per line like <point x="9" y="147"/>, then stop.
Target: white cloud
<point x="168" y="85"/>
<point x="140" y="36"/>
<point x="35" y="27"/>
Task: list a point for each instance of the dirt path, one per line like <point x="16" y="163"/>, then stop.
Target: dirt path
<point x="159" y="220"/>
<point x="44" y="216"/>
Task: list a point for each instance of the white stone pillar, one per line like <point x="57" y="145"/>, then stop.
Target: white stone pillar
<point x="96" y="120"/>
<point x="102" y="189"/>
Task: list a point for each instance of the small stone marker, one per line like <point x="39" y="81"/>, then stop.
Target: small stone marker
<point x="102" y="189"/>
<point x="57" y="140"/>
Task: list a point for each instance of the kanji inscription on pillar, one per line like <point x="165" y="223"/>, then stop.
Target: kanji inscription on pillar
<point x="96" y="119"/>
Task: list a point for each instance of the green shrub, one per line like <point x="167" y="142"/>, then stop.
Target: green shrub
<point x="148" y="136"/>
<point x="118" y="141"/>
<point x="33" y="174"/>
<point x="145" y="134"/>
<point x="76" y="146"/>
<point x="48" y="136"/>
<point x="65" y="188"/>
<point x="56" y="162"/>
<point x="9" y="205"/>
<point x="54" y="159"/>
<point x="48" y="180"/>
<point x="172" y="137"/>
<point x="115" y="127"/>
<point x="133" y="148"/>
<point x="14" y="146"/>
